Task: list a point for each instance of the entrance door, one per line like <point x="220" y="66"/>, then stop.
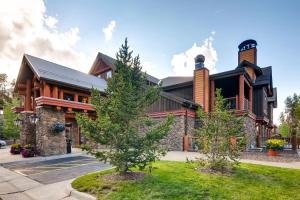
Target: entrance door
<point x="74" y="133"/>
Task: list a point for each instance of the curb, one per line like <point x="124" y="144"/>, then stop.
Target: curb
<point x="76" y="194"/>
<point x="80" y="195"/>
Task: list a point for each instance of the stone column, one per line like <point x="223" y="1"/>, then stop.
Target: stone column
<point x="27" y="133"/>
<point x="250" y="130"/>
<point x="47" y="141"/>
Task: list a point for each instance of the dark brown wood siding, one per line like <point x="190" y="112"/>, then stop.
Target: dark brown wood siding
<point x="183" y="92"/>
<point x="164" y="104"/>
<point x="257" y="101"/>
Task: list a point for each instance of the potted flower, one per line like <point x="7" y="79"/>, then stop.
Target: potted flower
<point x="15" y="149"/>
<point x="28" y="151"/>
<point x="274" y="145"/>
<point x="59" y="127"/>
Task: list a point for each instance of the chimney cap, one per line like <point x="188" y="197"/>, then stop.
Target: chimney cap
<point x="247" y="44"/>
<point x="200" y="58"/>
<point x="199" y="61"/>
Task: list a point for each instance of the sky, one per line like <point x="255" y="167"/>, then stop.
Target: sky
<point x="166" y="34"/>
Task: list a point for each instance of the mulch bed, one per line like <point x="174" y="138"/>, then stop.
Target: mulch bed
<point x="129" y="176"/>
<point x="285" y="156"/>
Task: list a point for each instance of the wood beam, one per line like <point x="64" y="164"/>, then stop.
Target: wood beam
<point x="76" y="97"/>
<point x="241" y="91"/>
<point x="61" y="94"/>
<point x="36" y="85"/>
<point x="21" y="86"/>
<point x="47" y="91"/>
<point x="55" y="92"/>
<point x="28" y="96"/>
<point x="212" y="93"/>
<point x="250" y="98"/>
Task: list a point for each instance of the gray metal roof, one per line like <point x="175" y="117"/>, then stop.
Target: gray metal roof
<point x="175" y="80"/>
<point x="265" y="78"/>
<point x="58" y="73"/>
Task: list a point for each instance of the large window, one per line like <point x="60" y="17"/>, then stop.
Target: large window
<point x="106" y="75"/>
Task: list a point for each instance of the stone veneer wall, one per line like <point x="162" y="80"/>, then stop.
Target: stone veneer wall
<point x="47" y="141"/>
<point x="174" y="141"/>
<point x="27" y="133"/>
<point x="250" y="132"/>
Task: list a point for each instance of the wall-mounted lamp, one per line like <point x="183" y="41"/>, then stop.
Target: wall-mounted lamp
<point x="34" y="118"/>
<point x="18" y="122"/>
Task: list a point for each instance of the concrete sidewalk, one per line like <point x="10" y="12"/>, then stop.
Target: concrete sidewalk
<point x="14" y="186"/>
<point x="183" y="156"/>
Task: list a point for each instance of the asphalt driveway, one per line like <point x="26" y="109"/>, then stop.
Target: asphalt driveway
<point x="57" y="170"/>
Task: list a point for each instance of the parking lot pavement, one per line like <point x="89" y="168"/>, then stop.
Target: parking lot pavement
<point x="57" y="170"/>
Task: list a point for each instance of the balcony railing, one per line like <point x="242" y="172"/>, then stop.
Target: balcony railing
<point x="233" y="103"/>
<point x="63" y="103"/>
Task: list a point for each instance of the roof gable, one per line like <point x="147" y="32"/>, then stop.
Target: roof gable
<point x="104" y="62"/>
<point x="246" y="63"/>
<point x="50" y="71"/>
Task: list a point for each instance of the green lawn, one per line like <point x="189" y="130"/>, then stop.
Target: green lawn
<point x="178" y="180"/>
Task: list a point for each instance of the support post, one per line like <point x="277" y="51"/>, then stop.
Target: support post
<point x="250" y="98"/>
<point x="55" y="92"/>
<point x="212" y="93"/>
<point x="76" y="97"/>
<point x="61" y="94"/>
<point x="241" y="92"/>
<point x="47" y="91"/>
<point x="27" y="106"/>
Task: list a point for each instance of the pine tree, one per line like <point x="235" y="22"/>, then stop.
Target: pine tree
<point x="133" y="139"/>
<point x="217" y="135"/>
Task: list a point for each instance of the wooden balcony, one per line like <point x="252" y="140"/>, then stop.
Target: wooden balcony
<point x="61" y="103"/>
<point x="233" y="103"/>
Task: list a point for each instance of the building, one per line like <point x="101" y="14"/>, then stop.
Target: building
<point x="53" y="93"/>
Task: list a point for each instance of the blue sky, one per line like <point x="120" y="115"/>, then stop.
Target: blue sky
<point x="161" y="30"/>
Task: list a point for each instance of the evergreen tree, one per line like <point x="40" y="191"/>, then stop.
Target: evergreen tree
<point x="9" y="129"/>
<point x="122" y="124"/>
<point x="217" y="135"/>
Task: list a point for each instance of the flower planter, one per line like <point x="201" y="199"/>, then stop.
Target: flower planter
<point x="15" y="149"/>
<point x="272" y="152"/>
<point x="28" y="151"/>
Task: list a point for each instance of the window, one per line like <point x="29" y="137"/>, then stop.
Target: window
<point x="68" y="97"/>
<point x="108" y="74"/>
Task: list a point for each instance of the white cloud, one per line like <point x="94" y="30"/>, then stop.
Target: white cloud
<point x="51" y="21"/>
<point x="25" y="28"/>
<point x="184" y="63"/>
<point x="108" y="31"/>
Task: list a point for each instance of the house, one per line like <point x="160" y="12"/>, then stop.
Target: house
<point x="53" y="93"/>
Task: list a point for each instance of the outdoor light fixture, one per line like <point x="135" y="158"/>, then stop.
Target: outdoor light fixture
<point x="34" y="118"/>
<point x="18" y="122"/>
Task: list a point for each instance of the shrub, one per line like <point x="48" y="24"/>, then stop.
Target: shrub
<point x="275" y="144"/>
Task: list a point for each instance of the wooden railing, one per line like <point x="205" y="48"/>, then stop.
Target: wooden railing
<point x="233" y="103"/>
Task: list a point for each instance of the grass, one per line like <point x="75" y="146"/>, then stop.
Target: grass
<point x="178" y="180"/>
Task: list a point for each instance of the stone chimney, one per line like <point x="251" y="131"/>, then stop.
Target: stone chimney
<point x="248" y="52"/>
<point x="201" y="83"/>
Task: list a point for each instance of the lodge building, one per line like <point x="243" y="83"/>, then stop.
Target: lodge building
<point x="53" y="93"/>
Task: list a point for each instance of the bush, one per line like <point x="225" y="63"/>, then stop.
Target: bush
<point x="275" y="144"/>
